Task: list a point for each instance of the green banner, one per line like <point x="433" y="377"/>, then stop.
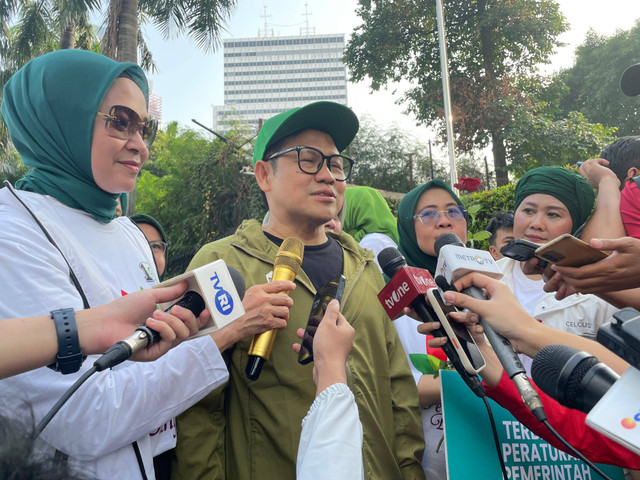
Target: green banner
<point x="471" y="452"/>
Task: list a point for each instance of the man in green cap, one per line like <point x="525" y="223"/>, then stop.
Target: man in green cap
<point x="250" y="429"/>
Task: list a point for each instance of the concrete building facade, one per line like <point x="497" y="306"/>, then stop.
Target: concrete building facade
<point x="266" y="76"/>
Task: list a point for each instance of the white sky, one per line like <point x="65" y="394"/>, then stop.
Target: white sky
<point x="190" y="81"/>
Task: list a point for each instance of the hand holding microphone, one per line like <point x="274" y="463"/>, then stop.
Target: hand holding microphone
<point x="285" y="267"/>
<point x="192" y="304"/>
<point x="454" y="261"/>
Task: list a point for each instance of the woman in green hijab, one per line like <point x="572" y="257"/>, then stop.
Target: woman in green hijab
<point x="79" y="120"/>
<point x="549" y="202"/>
<point x="425" y="213"/>
<point x="367" y="218"/>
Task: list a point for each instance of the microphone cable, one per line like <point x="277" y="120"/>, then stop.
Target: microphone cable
<point x="496" y="441"/>
<point x="121" y="351"/>
<point x="574" y="451"/>
<point x="51" y="413"/>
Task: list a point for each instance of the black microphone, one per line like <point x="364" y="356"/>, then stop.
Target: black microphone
<point x="144" y="336"/>
<point x="452" y="253"/>
<point x="576" y="379"/>
<point x="395" y="267"/>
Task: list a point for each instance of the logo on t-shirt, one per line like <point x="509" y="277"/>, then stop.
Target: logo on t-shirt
<point x="149" y="273"/>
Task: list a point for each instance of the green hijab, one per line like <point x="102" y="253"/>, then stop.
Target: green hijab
<point x="571" y="189"/>
<point x="49" y="107"/>
<point x="408" y="244"/>
<point x="139" y="218"/>
<point x="368" y="212"/>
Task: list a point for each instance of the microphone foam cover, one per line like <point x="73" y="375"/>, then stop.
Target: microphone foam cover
<point x="555" y="361"/>
<point x="446" y="239"/>
<point x="391" y="260"/>
<point x="238" y="281"/>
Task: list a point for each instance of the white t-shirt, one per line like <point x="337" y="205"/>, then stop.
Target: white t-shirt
<point x="114" y="408"/>
<point x="578" y="314"/>
<point x="376" y="242"/>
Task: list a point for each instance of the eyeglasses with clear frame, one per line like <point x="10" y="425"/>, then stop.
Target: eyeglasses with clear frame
<point x="123" y="123"/>
<point x="310" y="161"/>
<point x="431" y="216"/>
<point x="158" y="246"/>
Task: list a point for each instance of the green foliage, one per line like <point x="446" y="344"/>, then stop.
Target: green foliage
<point x="393" y="205"/>
<point x="490" y="43"/>
<point x="11" y="167"/>
<point x="194" y="188"/>
<point x="474" y="232"/>
<point x="481" y="206"/>
<point x="389" y="159"/>
<point x="534" y="140"/>
<point x="594" y="80"/>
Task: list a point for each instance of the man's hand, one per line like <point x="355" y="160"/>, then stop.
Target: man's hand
<point x="619" y="271"/>
<point x="595" y="171"/>
<point x="266" y="308"/>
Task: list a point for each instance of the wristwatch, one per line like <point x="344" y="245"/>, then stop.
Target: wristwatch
<point x="69" y="358"/>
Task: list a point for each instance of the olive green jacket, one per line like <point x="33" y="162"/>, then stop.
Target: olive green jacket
<point x="251" y="429"/>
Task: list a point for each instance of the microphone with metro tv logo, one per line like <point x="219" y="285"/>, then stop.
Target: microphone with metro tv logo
<point x="454" y="261"/>
<point x="406" y="288"/>
<point x="215" y="286"/>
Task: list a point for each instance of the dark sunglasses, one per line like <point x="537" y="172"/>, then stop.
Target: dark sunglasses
<point x="123" y="122"/>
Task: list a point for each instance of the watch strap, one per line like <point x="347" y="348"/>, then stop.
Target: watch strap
<point x="69" y="358"/>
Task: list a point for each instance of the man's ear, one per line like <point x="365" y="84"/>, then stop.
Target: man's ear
<point x="632" y="172"/>
<point x="493" y="251"/>
<point x="263" y="173"/>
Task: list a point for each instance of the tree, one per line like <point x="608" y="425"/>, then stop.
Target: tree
<point x="389" y="159"/>
<point x="490" y="44"/>
<point x="594" y="80"/>
<point x="194" y="188"/>
<point x="536" y="140"/>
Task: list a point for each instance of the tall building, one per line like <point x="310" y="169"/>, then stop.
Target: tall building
<point x="266" y="76"/>
<point x="155" y="108"/>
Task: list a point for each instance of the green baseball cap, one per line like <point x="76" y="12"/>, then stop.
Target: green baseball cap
<point x="337" y="120"/>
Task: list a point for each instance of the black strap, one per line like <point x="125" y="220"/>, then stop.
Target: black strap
<point x="72" y="274"/>
<point x="139" y="458"/>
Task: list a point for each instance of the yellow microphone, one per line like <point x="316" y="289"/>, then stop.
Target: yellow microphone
<point x="285" y="267"/>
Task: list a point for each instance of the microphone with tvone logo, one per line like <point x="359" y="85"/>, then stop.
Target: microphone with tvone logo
<point x="215" y="286"/>
<point x="406" y="288"/>
<point x="285" y="267"/>
<point x="454" y="261"/>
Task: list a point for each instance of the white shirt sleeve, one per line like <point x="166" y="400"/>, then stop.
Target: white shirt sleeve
<point x="117" y="407"/>
<point x="331" y="439"/>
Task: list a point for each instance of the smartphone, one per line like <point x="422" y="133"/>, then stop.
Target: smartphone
<point x="332" y="289"/>
<point x="567" y="250"/>
<point x="458" y="335"/>
<point x="520" y="250"/>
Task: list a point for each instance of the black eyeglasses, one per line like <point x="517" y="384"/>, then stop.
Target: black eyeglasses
<point x="123" y="122"/>
<point x="158" y="246"/>
<point x="310" y="161"/>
